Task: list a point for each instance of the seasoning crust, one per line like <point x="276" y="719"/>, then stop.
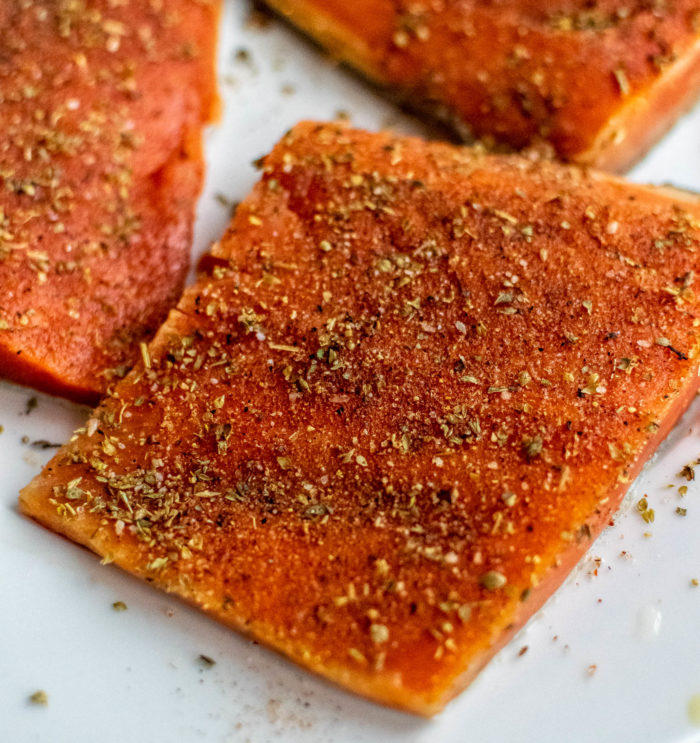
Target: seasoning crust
<point x="411" y="386"/>
<point x="599" y="81"/>
<point x="101" y="109"/>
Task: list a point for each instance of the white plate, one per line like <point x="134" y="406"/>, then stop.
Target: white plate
<point x="613" y="658"/>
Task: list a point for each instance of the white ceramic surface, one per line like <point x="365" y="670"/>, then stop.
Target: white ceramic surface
<point x="613" y="658"/>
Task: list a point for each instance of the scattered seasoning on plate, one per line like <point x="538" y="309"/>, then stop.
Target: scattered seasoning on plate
<point x="44" y="444"/>
<point x="688" y="472"/>
<point x="694" y="709"/>
<point x="39" y="697"/>
<point x="224" y="200"/>
<point x="119" y="606"/>
<point x="646" y="513"/>
<point x="206" y="661"/>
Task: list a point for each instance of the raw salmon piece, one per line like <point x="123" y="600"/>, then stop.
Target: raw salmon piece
<point x="101" y="110"/>
<point x="414" y="385"/>
<point x="599" y="81"/>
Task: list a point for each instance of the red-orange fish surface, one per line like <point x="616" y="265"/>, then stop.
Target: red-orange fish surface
<point x="101" y="110"/>
<point x="413" y="386"/>
<point x="601" y="81"/>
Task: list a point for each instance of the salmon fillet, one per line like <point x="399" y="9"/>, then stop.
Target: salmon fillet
<point x="600" y="82"/>
<point x="101" y="110"/>
<point x="412" y="385"/>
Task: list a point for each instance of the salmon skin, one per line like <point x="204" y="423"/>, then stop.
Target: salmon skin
<point x="101" y="110"/>
<point x="413" y="384"/>
<point x="597" y="81"/>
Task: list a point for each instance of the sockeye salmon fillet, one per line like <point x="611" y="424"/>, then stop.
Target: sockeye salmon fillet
<point x="598" y="80"/>
<point x="101" y="110"/>
<point x="412" y="388"/>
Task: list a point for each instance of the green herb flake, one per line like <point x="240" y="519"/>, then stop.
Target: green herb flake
<point x="624" y="364"/>
<point x="357" y="656"/>
<point x="532" y="447"/>
<point x="622" y="81"/>
<point x="464" y="612"/>
<point x="469" y="378"/>
<point x="145" y="356"/>
<point x="73" y="492"/>
<point x="158" y="564"/>
<point x="316" y="511"/>
<point x="379" y="633"/>
<point x="524" y="378"/>
<point x="493" y="580"/>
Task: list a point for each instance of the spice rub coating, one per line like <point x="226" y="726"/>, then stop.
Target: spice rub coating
<point x="101" y="110"/>
<point x="414" y="385"/>
<point x="598" y="80"/>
